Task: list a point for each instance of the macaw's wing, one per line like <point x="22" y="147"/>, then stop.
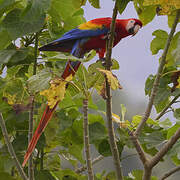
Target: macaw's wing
<point x="73" y="38"/>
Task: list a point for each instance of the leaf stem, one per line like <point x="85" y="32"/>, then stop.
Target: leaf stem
<point x="86" y="140"/>
<point x="158" y="76"/>
<point x="11" y="149"/>
<point x="111" y="134"/>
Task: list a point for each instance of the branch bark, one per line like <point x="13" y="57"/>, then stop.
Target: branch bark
<point x="139" y="149"/>
<point x="159" y="155"/>
<point x="83" y="168"/>
<point x="172" y="171"/>
<point x="31" y="113"/>
<point x="10" y="149"/>
<point x="158" y="75"/>
<point x="86" y="140"/>
<point x="112" y="141"/>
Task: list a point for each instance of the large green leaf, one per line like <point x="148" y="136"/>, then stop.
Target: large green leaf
<point x="145" y="13"/>
<point x="44" y="174"/>
<point x="159" y="41"/>
<point x="97" y="132"/>
<point x="18" y="26"/>
<point x="40" y="81"/>
<point x="61" y="10"/>
<point x="5" y="38"/>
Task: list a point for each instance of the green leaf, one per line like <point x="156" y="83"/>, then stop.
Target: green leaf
<point x="159" y="41"/>
<point x="115" y="64"/>
<point x="20" y="143"/>
<point x="136" y="174"/>
<point x="6" y="55"/>
<point x="137" y="119"/>
<point x="172" y="130"/>
<point x="177" y="113"/>
<point x="94" y="3"/>
<point x="149" y="84"/>
<point x="5" y="38"/>
<point x="146" y="13"/>
<point x="5" y="175"/>
<point x="166" y="124"/>
<point x="154" y="139"/>
<point x="176" y="53"/>
<point x="97" y="132"/>
<point x="62" y="10"/>
<point x="52" y="161"/>
<point x="7" y="5"/>
<point x="44" y="174"/>
<point x="93" y="118"/>
<point x="162" y="99"/>
<point x="67" y="174"/>
<point x="40" y="81"/>
<point x="17" y="27"/>
<point x="111" y="176"/>
<point x="104" y="148"/>
<point x="122" y="5"/>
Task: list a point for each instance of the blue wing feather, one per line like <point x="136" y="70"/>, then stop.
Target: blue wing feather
<point x="79" y="34"/>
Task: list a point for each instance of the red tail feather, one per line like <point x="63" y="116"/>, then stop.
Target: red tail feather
<point x="71" y="68"/>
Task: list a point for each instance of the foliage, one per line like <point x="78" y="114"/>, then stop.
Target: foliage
<point x="20" y="21"/>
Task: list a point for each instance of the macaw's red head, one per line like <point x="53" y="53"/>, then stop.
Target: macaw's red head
<point x="126" y="27"/>
<point x="133" y="25"/>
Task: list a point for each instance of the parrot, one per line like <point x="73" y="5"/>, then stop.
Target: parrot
<point x="91" y="35"/>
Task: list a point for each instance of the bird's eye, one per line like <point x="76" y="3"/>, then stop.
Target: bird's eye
<point x="131" y="21"/>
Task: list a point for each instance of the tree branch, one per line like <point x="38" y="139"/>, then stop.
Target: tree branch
<point x="139" y="149"/>
<point x="10" y="149"/>
<point x="83" y="168"/>
<point x="86" y="140"/>
<point x="167" y="107"/>
<point x="159" y="155"/>
<point x="172" y="171"/>
<point x="112" y="141"/>
<point x="31" y="113"/>
<point x="158" y="75"/>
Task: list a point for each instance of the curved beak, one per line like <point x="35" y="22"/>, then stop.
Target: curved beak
<point x="136" y="29"/>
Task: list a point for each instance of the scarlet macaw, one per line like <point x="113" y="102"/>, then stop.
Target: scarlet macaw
<point x="90" y="35"/>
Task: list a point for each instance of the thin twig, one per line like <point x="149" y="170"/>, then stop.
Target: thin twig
<point x="172" y="171"/>
<point x="158" y="75"/>
<point x="10" y="149"/>
<point x="30" y="134"/>
<point x="112" y="141"/>
<point x="31" y="113"/>
<point x="94" y="161"/>
<point x="86" y="140"/>
<point x="168" y="106"/>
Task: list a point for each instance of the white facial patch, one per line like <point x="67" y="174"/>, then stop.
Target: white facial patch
<point x="130" y="24"/>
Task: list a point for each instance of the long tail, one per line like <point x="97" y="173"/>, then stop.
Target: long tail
<point x="71" y="68"/>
